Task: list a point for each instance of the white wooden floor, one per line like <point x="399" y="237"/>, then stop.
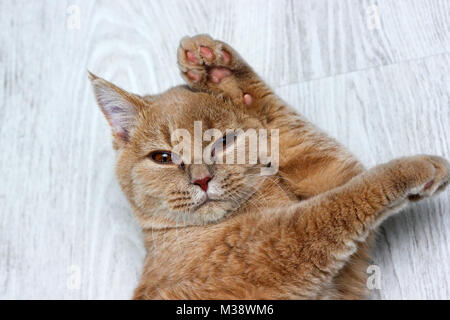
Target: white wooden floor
<point x="374" y="74"/>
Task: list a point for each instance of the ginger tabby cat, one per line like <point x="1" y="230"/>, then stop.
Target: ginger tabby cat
<point x="224" y="231"/>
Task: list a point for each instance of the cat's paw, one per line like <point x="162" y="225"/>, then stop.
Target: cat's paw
<point x="200" y="59"/>
<point x="433" y="176"/>
<point x="212" y="65"/>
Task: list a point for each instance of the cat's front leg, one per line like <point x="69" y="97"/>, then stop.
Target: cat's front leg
<point x="211" y="65"/>
<point x="333" y="223"/>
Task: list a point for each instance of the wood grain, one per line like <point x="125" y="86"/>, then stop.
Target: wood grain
<point x="382" y="90"/>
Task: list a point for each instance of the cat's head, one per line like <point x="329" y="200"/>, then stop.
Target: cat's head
<point x="165" y="186"/>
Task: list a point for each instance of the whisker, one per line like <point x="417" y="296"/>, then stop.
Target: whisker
<point x="178" y="199"/>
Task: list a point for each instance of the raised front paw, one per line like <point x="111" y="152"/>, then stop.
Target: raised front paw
<point x="432" y="174"/>
<point x="205" y="63"/>
<point x="203" y="59"/>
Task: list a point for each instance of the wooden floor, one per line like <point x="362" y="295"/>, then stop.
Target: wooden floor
<point x="376" y="77"/>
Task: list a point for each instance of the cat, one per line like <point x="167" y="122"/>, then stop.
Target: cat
<point x="226" y="231"/>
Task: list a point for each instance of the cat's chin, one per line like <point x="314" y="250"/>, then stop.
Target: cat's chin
<point x="207" y="213"/>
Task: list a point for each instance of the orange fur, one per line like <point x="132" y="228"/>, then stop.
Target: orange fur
<point x="303" y="233"/>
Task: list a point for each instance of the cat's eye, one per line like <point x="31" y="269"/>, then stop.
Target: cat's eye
<point x="228" y="140"/>
<point x="166" y="157"/>
<point x="225" y="142"/>
<point x="163" y="157"/>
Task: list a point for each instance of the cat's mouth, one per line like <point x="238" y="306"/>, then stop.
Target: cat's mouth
<point x="205" y="202"/>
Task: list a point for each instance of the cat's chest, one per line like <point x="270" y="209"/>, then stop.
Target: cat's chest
<point x="274" y="193"/>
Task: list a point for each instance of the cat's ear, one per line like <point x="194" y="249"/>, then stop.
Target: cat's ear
<point x="120" y="108"/>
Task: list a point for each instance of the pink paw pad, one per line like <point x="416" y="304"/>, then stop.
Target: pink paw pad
<point x="193" y="76"/>
<point x="226" y="57"/>
<point x="217" y="74"/>
<point x="248" y="99"/>
<point x="191" y="57"/>
<point x="206" y="52"/>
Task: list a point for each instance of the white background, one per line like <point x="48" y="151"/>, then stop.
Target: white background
<point x="378" y="83"/>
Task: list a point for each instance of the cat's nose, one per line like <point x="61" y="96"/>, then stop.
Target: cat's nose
<point x="203" y="183"/>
